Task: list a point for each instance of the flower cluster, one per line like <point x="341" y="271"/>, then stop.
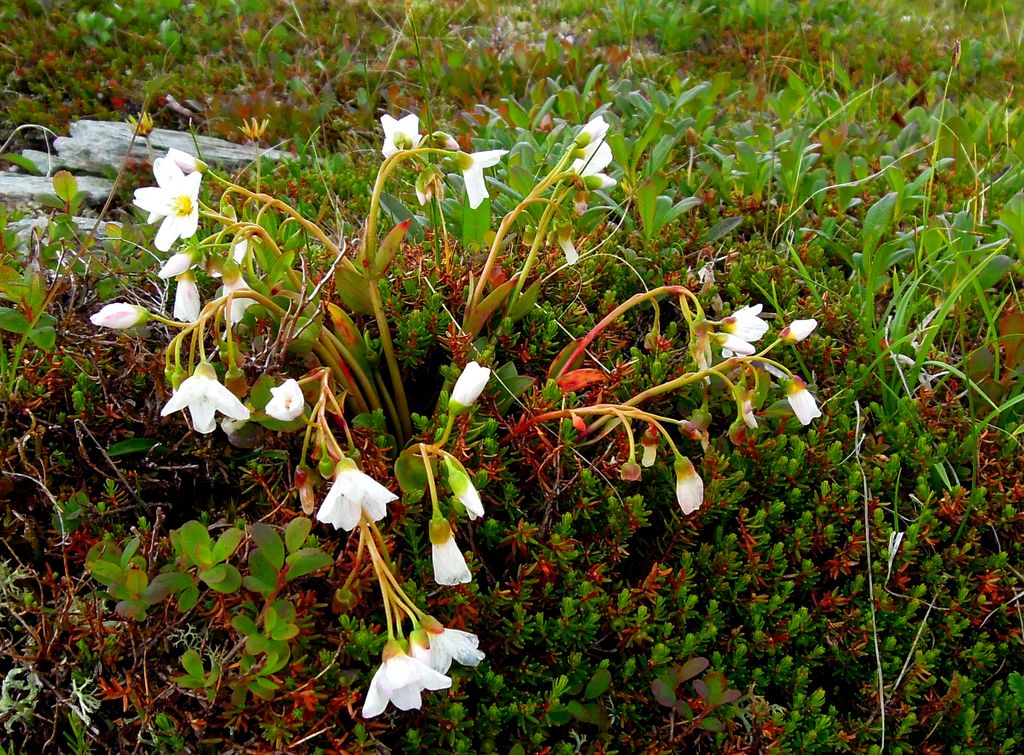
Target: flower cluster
<point x="263" y="298"/>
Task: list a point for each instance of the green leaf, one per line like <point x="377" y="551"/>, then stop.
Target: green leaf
<point x="44" y="336"/>
<point x="410" y="472"/>
<point x="166" y="584"/>
<point x="244" y="625"/>
<point x="483" y="311"/>
<point x="195" y="543"/>
<point x="296" y="532"/>
<point x="226" y="544"/>
<point x="22" y="162"/>
<point x="306" y="561"/>
<point x="131" y="446"/>
<point x="389" y="246"/>
<point x="193" y="664"/>
<point x="188" y="598"/>
<point x="475" y="223"/>
<point x="721" y="229"/>
<point x="104" y="572"/>
<point x="1016" y="683"/>
<point x="690" y="669"/>
<point x="13" y="321"/>
<point x="65" y="186"/>
<point x="223" y="578"/>
<point x="599" y="684"/>
<point x="269" y="544"/>
<point x="135" y="581"/>
<point x="353" y="288"/>
<point x="527" y="299"/>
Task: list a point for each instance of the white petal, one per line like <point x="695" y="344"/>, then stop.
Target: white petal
<point x="167" y="234"/>
<point x="470" y="384"/>
<point x="167" y="173"/>
<point x="187" y="304"/>
<point x="190" y="186"/>
<point x="226" y="402"/>
<point x="377" y="696"/>
<point x="488" y="158"/>
<point x="476" y="190"/>
<point x="153" y="200"/>
<point x="407" y="698"/>
<point x="189" y="390"/>
<point x="176" y="265"/>
<point x="804" y="406"/>
<point x="690" y="493"/>
<point x="202" y="411"/>
<point x="449" y="564"/>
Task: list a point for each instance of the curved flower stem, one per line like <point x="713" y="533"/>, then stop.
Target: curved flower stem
<point x="538" y="242"/>
<point x="613" y="315"/>
<point x="506" y="223"/>
<point x="430" y="478"/>
<point x="404" y="428"/>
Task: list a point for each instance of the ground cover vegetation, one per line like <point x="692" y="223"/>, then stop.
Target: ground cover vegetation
<point x="850" y="583"/>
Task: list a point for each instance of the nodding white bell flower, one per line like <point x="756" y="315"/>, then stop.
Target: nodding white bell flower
<point x="802" y="402"/>
<point x="175" y="201"/>
<point x="472" y="167"/>
<point x="797" y="330"/>
<point x="177" y="264"/>
<point x="351" y="494"/>
<point x="449" y="564"/>
<point x="747" y="413"/>
<point x="119" y="316"/>
<point x="468" y="387"/>
<point x="400" y="680"/>
<point x="732" y="346"/>
<point x="188" y="163"/>
<point x="203" y="395"/>
<point x="689" y="486"/>
<point x="595" y="131"/>
<point x="564" y="237"/>
<point x="400" y="134"/>
<point x="187" y="303"/>
<point x="463" y="488"/>
<point x="287" y="401"/>
<point x="233" y="281"/>
<point x="451" y="644"/>
<point x="597" y="156"/>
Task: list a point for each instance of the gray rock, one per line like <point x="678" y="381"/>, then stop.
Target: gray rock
<point x="28" y="227"/>
<point x="18" y="190"/>
<point x="98" y="146"/>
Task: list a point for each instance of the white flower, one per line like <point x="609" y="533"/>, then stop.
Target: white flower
<point x="597" y="156"/>
<point x="119" y="316"/>
<point x="745" y="323"/>
<point x="399" y="681"/>
<point x="732" y="345"/>
<point x="235" y="282"/>
<point x="689" y="486"/>
<point x="352" y="493"/>
<point x="175" y="201"/>
<point x="177" y="264"/>
<point x="449" y="644"/>
<point x="747" y="413"/>
<point x="594" y="131"/>
<point x="400" y="134"/>
<point x="472" y="167"/>
<point x="798" y="330"/>
<point x="469" y="386"/>
<point x="463" y="489"/>
<point x="800" y="399"/>
<point x="188" y="163"/>
<point x="743" y="327"/>
<point x="287" y="401"/>
<point x="449" y="564"/>
<point x="186" y="299"/>
<point x="204" y="395"/>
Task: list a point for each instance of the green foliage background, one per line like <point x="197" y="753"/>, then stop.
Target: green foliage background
<point x="789" y="121"/>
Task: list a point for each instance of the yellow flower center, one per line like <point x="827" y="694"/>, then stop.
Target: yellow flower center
<point x="182" y="206"/>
